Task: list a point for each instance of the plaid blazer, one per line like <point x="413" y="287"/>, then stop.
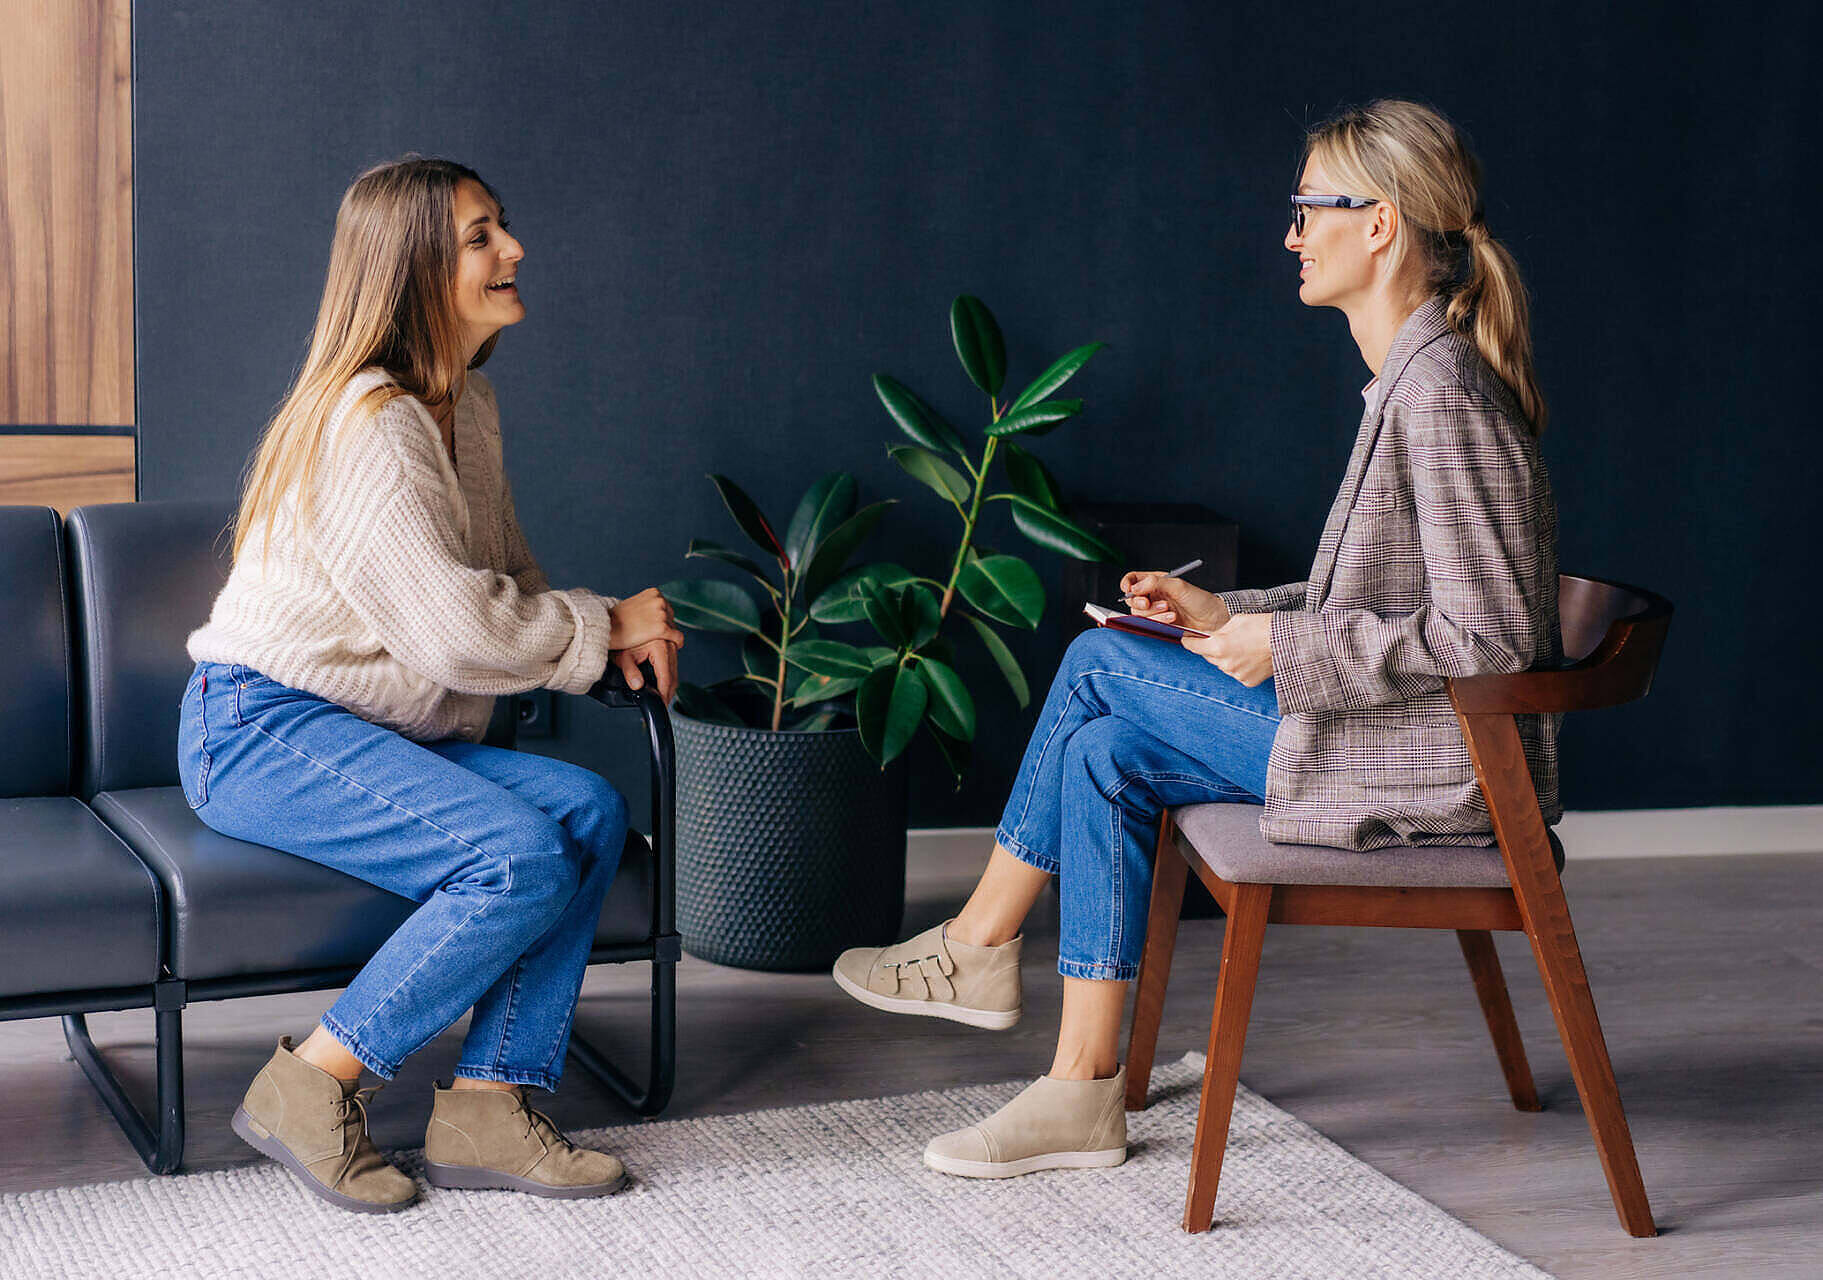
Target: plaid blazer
<point x="1439" y="559"/>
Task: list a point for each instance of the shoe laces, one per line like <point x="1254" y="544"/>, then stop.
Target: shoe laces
<point x="352" y="1108"/>
<point x="535" y="1118"/>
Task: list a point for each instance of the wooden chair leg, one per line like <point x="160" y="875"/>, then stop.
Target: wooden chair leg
<point x="1566" y="984"/>
<point x="1169" y="871"/>
<point x="1246" y="932"/>
<point x="1500" y="767"/>
<point x="1497" y="1008"/>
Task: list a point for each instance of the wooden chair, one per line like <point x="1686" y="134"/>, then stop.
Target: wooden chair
<point x="1612" y="636"/>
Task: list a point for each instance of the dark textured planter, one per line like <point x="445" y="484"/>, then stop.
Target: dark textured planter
<point x="790" y="846"/>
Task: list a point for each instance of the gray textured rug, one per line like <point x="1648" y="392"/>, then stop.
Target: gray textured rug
<point x="836" y="1189"/>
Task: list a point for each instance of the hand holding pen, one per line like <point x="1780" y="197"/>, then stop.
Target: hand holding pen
<point x="1166" y="597"/>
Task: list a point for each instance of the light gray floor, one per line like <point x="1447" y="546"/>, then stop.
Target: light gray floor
<point x="1708" y="973"/>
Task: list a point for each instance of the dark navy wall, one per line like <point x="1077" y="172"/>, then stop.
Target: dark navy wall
<point x="734" y="214"/>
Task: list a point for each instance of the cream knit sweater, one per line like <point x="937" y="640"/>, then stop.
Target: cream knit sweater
<point x="416" y="600"/>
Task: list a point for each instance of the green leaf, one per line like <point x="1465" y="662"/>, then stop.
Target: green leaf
<point x="889" y="707"/>
<point x="1037" y="418"/>
<point x="817" y="721"/>
<point x="1004" y="659"/>
<point x="956" y="753"/>
<point x="700" y="704"/>
<point x="1056" y="532"/>
<point x="815" y="688"/>
<point x="703" y="549"/>
<point x="925" y="465"/>
<point x="940" y="648"/>
<point x="915" y="418"/>
<point x="951" y="708"/>
<point x="978" y="343"/>
<point x="1005" y="588"/>
<point x="920" y="614"/>
<point x="1054" y="377"/>
<point x="709" y="605"/>
<point x="829" y="658"/>
<point x="830" y="558"/>
<point x="1030" y="476"/>
<point x="746" y="513"/>
<point x="882" y="608"/>
<point x="760" y="660"/>
<point x="841" y="601"/>
<point x="830" y="501"/>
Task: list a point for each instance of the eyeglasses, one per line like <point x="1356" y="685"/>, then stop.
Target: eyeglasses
<point x="1301" y="204"/>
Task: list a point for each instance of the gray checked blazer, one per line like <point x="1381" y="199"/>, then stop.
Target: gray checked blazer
<point x="1439" y="559"/>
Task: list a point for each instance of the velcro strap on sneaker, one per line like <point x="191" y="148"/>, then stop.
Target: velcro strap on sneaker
<point x="936" y="979"/>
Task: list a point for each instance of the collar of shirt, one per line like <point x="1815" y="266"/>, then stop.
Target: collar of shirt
<point x="1368" y="391"/>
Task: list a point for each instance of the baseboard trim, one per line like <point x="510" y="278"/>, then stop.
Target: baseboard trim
<point x="1633" y="833"/>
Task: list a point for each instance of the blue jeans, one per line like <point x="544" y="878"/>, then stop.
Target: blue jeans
<point x="507" y="854"/>
<point x="1132" y="726"/>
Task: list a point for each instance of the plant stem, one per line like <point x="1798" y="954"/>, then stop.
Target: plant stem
<point x="778" y="696"/>
<point x="968" y="525"/>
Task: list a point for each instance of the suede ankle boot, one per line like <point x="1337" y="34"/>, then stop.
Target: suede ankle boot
<point x="1054" y="1124"/>
<point x="316" y="1126"/>
<point x="489" y="1139"/>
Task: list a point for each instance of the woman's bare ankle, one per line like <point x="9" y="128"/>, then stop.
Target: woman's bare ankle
<point x="464" y="1083"/>
<point x="973" y="933"/>
<point x="324" y="1052"/>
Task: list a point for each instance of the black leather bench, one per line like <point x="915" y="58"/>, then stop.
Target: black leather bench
<point x="114" y="895"/>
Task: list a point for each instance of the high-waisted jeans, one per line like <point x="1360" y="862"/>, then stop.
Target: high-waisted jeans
<point x="508" y="855"/>
<point x="1132" y="726"/>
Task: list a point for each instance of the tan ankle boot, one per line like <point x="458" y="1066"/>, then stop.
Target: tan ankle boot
<point x="1054" y="1124"/>
<point x="316" y="1126"/>
<point x="489" y="1139"/>
<point x="935" y="976"/>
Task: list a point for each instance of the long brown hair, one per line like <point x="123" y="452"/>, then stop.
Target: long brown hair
<point x="1413" y="156"/>
<point x="388" y="301"/>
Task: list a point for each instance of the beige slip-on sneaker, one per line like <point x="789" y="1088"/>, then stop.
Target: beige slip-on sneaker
<point x="1053" y="1124"/>
<point x="935" y="976"/>
<point x="489" y="1139"/>
<point x="316" y="1126"/>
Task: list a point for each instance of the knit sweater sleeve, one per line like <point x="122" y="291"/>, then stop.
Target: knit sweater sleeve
<point x="385" y="534"/>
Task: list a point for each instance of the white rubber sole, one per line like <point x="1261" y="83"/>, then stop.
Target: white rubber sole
<point x="1031" y="1164"/>
<point x="989" y="1019"/>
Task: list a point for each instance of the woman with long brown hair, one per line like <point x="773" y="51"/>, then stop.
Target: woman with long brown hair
<point x="382" y="596"/>
<point x="1322" y="700"/>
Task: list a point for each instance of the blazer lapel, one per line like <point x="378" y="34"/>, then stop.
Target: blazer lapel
<point x="1423" y="325"/>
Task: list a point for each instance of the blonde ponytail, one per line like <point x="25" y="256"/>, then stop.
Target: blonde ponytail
<point x="1413" y="156"/>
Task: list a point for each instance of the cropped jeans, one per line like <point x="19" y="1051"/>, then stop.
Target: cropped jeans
<point x="508" y="855"/>
<point x="1132" y="726"/>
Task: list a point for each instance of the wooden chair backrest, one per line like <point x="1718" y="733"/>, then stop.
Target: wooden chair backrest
<point x="1612" y="637"/>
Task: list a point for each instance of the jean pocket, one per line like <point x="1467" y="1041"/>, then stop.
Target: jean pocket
<point x="194" y="760"/>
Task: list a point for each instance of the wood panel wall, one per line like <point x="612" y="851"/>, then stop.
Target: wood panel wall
<point x="66" y="251"/>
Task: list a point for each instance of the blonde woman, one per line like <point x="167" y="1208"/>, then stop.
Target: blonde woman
<point x="381" y="597"/>
<point x="1322" y="700"/>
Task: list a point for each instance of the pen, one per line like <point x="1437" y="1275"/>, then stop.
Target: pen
<point x="1178" y="572"/>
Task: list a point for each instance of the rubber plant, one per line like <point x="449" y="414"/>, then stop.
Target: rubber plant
<point x="915" y="683"/>
<point x="908" y="680"/>
<point x="780" y="639"/>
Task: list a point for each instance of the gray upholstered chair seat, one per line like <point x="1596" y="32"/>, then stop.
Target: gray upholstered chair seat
<point x="1227" y="838"/>
<point x="239" y="909"/>
<point x="78" y="911"/>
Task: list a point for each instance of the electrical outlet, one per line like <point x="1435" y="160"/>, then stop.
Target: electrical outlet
<point x="536" y="713"/>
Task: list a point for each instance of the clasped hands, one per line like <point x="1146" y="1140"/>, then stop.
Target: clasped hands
<point x="1240" y="644"/>
<point x="644" y="630"/>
